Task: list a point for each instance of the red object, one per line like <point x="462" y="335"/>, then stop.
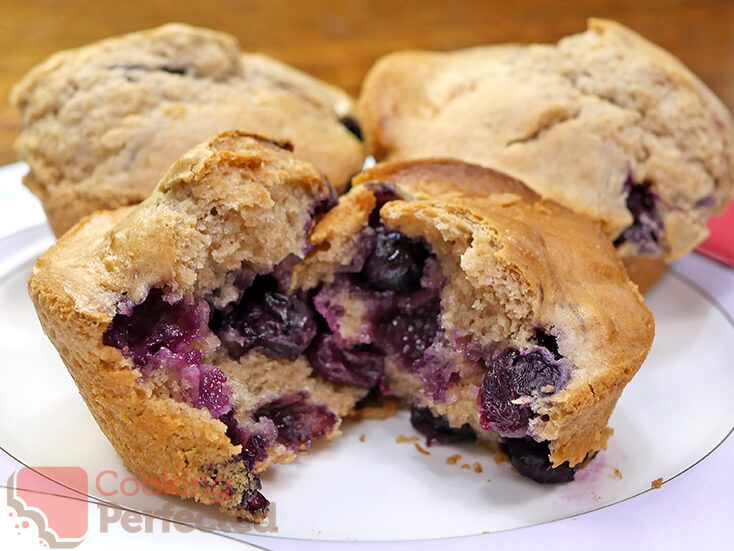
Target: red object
<point x="720" y="244"/>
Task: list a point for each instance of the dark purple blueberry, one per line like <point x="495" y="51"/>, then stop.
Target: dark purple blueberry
<point x="437" y="429"/>
<point x="298" y="421"/>
<point x="254" y="445"/>
<point x="406" y="334"/>
<point x="279" y="326"/>
<point x="254" y="503"/>
<point x="647" y="227"/>
<point x="152" y="325"/>
<point x="513" y="374"/>
<point x="531" y="459"/>
<point x="361" y="366"/>
<point x="383" y="193"/>
<point x="353" y="126"/>
<point x="323" y="205"/>
<point x="396" y="263"/>
<point x="547" y="341"/>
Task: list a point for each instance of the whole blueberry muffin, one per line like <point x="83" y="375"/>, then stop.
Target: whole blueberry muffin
<point x="604" y="122"/>
<point x="101" y="124"/>
<point x="228" y="321"/>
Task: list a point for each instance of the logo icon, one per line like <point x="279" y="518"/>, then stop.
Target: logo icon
<point x="55" y="499"/>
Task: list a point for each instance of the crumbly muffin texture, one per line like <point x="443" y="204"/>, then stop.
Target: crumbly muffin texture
<point x="230" y="319"/>
<point x="101" y="124"/>
<point x="604" y="122"/>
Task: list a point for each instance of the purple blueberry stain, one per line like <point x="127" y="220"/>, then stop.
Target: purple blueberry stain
<point x="141" y="331"/>
<point x="437" y="429"/>
<point x="437" y="368"/>
<point x="360" y="366"/>
<point x="298" y="421"/>
<point x="213" y="393"/>
<point x="160" y="335"/>
<point x="646" y="231"/>
<point x="706" y="202"/>
<point x="514" y="379"/>
<point x="531" y="459"/>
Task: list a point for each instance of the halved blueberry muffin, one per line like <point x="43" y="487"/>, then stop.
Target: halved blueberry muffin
<point x="228" y="322"/>
<point x="101" y="124"/>
<point x="498" y="314"/>
<point x="603" y="122"/>
<point x="171" y="320"/>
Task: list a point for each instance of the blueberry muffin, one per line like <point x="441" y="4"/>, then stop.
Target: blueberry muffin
<point x="101" y="124"/>
<point x="227" y="322"/>
<point x="136" y="301"/>
<point x="603" y="122"/>
<point x="499" y="315"/>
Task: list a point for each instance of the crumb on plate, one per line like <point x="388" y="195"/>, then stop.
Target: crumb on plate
<point x="500" y="458"/>
<point x="418" y="447"/>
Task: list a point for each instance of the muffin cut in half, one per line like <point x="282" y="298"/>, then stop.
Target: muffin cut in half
<point x="604" y="122"/>
<point x="101" y="124"/>
<point x="498" y="314"/>
<point x="226" y="323"/>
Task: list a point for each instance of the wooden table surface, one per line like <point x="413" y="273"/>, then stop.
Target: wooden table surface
<point x="338" y="40"/>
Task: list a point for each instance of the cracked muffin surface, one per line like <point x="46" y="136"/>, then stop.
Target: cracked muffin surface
<point x="603" y="122"/>
<point x="102" y="123"/>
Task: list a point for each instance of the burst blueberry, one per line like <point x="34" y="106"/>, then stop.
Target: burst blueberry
<point x="437" y="429"/>
<point x="511" y="375"/>
<point x="361" y="366"/>
<point x="298" y="421"/>
<point x="531" y="459"/>
<point x="278" y="325"/>
<point x="646" y="230"/>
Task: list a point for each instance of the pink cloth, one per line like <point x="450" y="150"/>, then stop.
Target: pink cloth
<point x="720" y="244"/>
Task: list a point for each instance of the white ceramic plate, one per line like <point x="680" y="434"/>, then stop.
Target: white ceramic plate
<point x="669" y="417"/>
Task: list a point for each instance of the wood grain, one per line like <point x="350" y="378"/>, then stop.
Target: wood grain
<point x="339" y="40"/>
